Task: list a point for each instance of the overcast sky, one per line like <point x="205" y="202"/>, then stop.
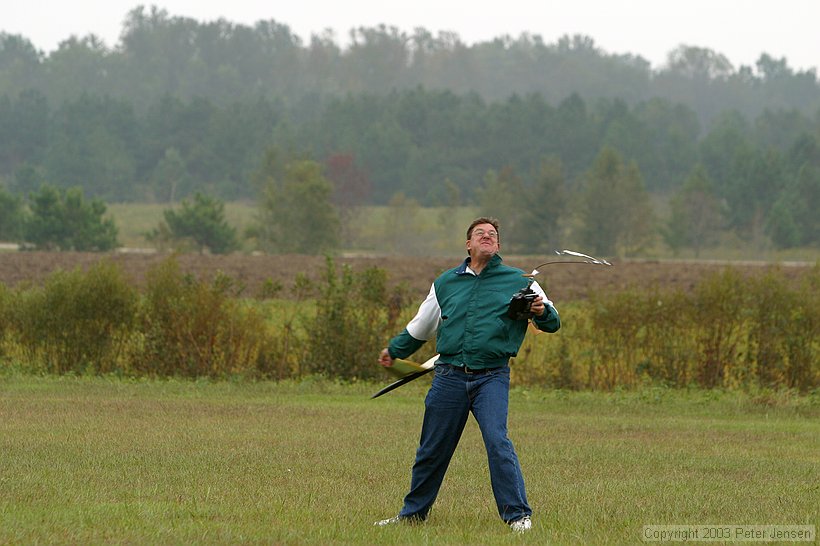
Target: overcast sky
<point x="740" y="29"/>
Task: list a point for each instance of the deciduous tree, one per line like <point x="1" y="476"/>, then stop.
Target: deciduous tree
<point x="11" y="216"/>
<point x="696" y="214"/>
<point x="615" y="212"/>
<point x="544" y="206"/>
<point x="296" y="213"/>
<point x="170" y="178"/>
<point x="351" y="187"/>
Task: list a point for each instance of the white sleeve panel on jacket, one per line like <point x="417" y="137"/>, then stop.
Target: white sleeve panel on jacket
<point x="540" y="291"/>
<point x="425" y="323"/>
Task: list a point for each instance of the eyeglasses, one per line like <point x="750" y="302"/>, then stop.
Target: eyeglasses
<point x="481" y="233"/>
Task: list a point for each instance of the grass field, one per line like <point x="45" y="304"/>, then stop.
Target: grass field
<point x="96" y="460"/>
<point x="134" y="220"/>
<point x="373" y="228"/>
<point x="420" y="231"/>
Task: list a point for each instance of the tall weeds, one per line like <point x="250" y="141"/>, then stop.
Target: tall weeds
<point x="354" y="316"/>
<point x="728" y="331"/>
<point x="192" y="328"/>
<point x="76" y="322"/>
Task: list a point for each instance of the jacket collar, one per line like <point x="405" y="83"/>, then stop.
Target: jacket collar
<point x="462" y="269"/>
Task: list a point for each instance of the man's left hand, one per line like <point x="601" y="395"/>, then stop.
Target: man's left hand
<point x="538" y="307"/>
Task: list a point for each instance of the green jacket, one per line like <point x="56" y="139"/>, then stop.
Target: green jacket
<point x="467" y="314"/>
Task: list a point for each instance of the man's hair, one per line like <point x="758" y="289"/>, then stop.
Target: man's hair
<point x="483" y="220"/>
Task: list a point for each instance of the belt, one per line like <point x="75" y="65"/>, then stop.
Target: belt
<point x="473" y="371"/>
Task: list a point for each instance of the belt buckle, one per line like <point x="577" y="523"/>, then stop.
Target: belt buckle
<point x="468" y="371"/>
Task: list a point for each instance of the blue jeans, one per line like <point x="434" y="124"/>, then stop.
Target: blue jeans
<point x="452" y="396"/>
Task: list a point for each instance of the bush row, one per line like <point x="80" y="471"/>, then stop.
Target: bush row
<point x="729" y="331"/>
<point x="95" y="321"/>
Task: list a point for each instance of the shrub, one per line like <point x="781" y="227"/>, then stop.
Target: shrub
<point x="353" y="318"/>
<point x="716" y="314"/>
<point x="554" y="360"/>
<point x="615" y="322"/>
<point x="667" y="354"/>
<point x="783" y="341"/>
<point x="77" y="321"/>
<point x="771" y="307"/>
<point x="195" y="328"/>
<point x="635" y="335"/>
<point x="284" y="352"/>
<point x="727" y="332"/>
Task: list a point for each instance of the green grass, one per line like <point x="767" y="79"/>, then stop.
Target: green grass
<point x="421" y="231"/>
<point x="134" y="220"/>
<point x="97" y="460"/>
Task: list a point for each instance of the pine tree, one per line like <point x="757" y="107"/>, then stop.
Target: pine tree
<point x="201" y="222"/>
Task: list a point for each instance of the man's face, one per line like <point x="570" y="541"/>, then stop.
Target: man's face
<point x="483" y="241"/>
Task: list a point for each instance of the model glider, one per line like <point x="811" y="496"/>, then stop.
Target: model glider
<point x="406" y="371"/>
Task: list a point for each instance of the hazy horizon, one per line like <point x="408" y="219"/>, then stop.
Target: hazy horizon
<point x="740" y="30"/>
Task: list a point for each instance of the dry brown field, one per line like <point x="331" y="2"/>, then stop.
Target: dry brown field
<point x="562" y="282"/>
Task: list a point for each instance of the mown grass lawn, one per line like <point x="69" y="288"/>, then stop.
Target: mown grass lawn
<point x="97" y="460"/>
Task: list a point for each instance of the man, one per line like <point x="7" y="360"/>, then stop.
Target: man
<point x="466" y="310"/>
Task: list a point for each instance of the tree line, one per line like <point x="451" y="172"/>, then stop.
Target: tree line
<point x="159" y="54"/>
<point x="561" y="135"/>
<point x="756" y="178"/>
